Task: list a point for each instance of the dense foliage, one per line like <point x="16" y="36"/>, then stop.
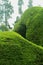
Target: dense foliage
<point x="15" y="50"/>
<point x="21" y="29"/>
<point x="33" y="20"/>
<point x="35" y="30"/>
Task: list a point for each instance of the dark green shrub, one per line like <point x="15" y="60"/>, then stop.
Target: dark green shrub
<point x="21" y="29"/>
<point x="33" y="19"/>
<point x="28" y="15"/>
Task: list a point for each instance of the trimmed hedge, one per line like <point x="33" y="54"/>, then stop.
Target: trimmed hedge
<point x="15" y="50"/>
<point x="33" y="20"/>
<point x="35" y="30"/>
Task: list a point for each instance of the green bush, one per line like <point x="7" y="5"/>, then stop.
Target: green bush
<point x="15" y="50"/>
<point x="29" y="14"/>
<point x="21" y="29"/>
<point x="33" y="20"/>
<point x="35" y="29"/>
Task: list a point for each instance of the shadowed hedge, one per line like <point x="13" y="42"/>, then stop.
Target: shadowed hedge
<point x="15" y="50"/>
<point x="21" y="29"/>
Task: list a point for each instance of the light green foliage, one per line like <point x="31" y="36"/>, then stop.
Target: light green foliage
<point x="15" y="50"/>
<point x="29" y="14"/>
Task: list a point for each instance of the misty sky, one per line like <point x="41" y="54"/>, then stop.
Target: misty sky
<point x="15" y="7"/>
<point x="15" y="2"/>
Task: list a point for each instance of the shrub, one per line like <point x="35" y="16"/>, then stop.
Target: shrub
<point x="15" y="50"/>
<point x="33" y="20"/>
<point x="35" y="29"/>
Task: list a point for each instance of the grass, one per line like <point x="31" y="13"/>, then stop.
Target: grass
<point x="16" y="50"/>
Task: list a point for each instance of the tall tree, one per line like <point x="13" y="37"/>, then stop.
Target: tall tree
<point x="1" y="13"/>
<point x="20" y="3"/>
<point x="30" y="3"/>
<point x="7" y="10"/>
<point x="17" y="19"/>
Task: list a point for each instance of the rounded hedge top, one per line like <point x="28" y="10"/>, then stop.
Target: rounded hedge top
<point x="35" y="29"/>
<point x="15" y="50"/>
<point x="33" y="20"/>
<point x="29" y="14"/>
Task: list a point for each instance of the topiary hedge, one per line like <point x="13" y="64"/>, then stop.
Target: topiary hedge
<point x="35" y="29"/>
<point x="15" y="50"/>
<point x="33" y="20"/>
